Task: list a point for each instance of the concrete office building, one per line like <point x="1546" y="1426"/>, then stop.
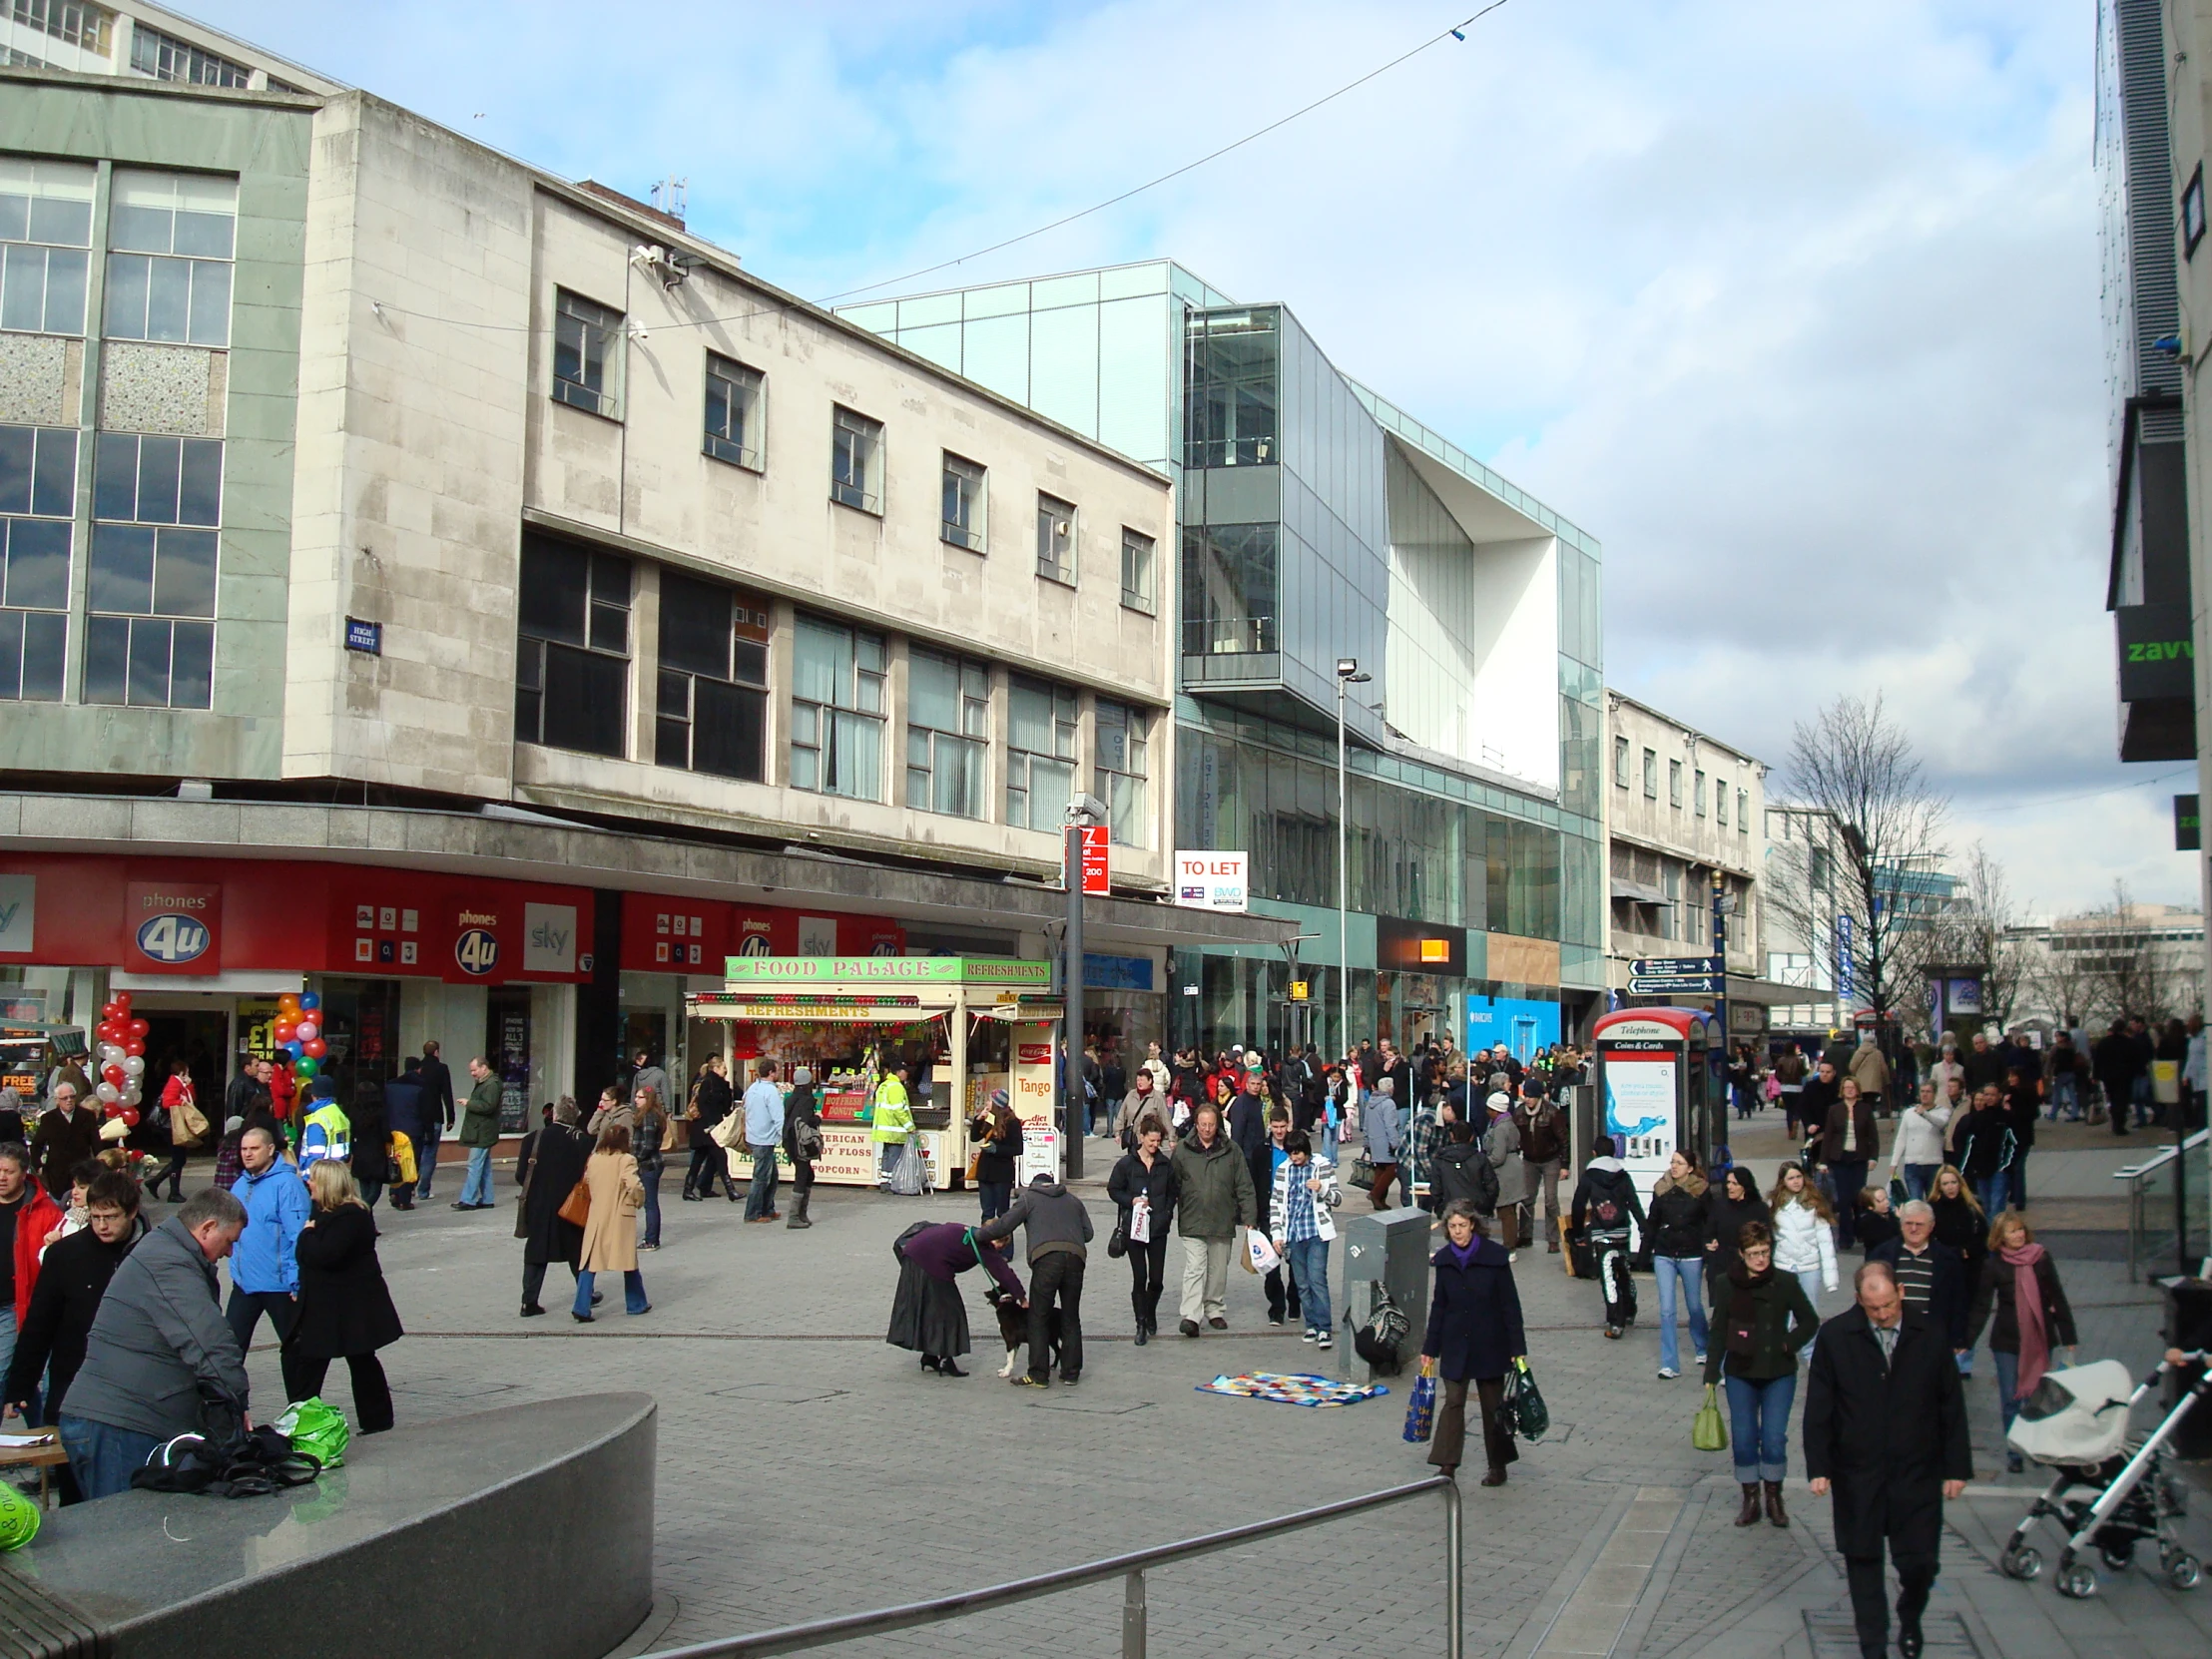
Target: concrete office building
<point x="1319" y="522"/>
<point x="483" y="602"/>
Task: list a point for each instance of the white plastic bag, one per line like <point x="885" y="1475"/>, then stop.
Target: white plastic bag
<point x="1259" y="1252"/>
<point x="910" y="1175"/>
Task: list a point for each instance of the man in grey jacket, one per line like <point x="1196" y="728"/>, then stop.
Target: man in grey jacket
<point x="1059" y="1228"/>
<point x="161" y="1360"/>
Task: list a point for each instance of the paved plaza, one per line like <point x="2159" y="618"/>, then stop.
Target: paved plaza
<point x="806" y="1469"/>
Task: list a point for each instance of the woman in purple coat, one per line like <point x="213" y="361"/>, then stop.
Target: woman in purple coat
<point x="1474" y="1335"/>
<point x="927" y="1316"/>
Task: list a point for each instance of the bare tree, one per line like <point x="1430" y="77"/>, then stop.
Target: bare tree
<point x="1982" y="928"/>
<point x="1856" y="885"/>
<point x="2127" y="975"/>
<point x="2062" y="980"/>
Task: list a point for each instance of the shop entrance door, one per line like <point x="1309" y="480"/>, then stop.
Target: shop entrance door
<point x="507" y="1046"/>
<point x="197" y="1037"/>
<point x="360" y="1023"/>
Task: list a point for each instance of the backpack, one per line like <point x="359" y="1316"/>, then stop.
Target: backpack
<point x="1377" y="1341"/>
<point x="1606" y="1214"/>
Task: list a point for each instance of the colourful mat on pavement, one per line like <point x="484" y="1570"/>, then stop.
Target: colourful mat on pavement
<point x="1292" y="1387"/>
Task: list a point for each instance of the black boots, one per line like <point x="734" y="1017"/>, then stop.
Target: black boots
<point x="1748" y="1514"/>
<point x="798" y="1215"/>
<point x="1775" y="1512"/>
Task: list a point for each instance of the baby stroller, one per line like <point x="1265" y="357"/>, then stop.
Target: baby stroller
<point x="2076" y="1422"/>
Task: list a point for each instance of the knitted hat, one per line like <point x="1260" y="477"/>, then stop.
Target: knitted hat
<point x="998" y="1097"/>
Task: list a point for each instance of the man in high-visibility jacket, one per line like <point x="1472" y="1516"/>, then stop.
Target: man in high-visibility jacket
<point x="327" y="1131"/>
<point x="890" y="1124"/>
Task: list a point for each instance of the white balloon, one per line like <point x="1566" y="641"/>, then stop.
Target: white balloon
<point x="107" y="1093"/>
<point x="134" y="1065"/>
<point x="112" y="1054"/>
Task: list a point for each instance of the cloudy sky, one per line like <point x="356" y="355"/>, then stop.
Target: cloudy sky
<point x="1794" y="306"/>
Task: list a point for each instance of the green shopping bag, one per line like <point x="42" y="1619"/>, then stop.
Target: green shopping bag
<point x="1709" y="1433"/>
<point x="316" y="1428"/>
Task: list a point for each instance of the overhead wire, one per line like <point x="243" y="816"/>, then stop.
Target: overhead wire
<point x="2089" y="795"/>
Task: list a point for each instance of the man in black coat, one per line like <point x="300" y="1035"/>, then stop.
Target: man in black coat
<point x="438" y="1114"/>
<point x="556" y="1164"/>
<point x="403" y="1114"/>
<point x="1886" y="1432"/>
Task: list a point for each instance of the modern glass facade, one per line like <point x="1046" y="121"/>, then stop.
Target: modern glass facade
<point x="1317" y="521"/>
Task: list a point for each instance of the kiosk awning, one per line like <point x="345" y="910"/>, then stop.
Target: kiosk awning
<point x="754" y="1006"/>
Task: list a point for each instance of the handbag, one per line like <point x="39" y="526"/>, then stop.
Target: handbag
<point x="1117" y="1241"/>
<point x="1709" y="1430"/>
<point x="576" y="1208"/>
<point x="1420" y="1411"/>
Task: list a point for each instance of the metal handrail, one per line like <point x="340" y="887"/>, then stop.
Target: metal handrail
<point x="1131" y="1568"/>
<point x="2138" y="1177"/>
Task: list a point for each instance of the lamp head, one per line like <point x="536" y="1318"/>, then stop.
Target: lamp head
<point x="1346" y="667"/>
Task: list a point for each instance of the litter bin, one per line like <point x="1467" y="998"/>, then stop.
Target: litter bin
<point x="2190" y="1327"/>
<point x="1389" y="1250"/>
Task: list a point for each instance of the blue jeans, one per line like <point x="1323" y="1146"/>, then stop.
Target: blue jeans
<point x="426" y="1158"/>
<point x="997" y="1198"/>
<point x="651" y="1178"/>
<point x="1994" y="1190"/>
<point x="759" y="1198"/>
<point x="477" y="1188"/>
<point x="1809" y="1280"/>
<point x="1918" y="1177"/>
<point x="1759" y="1421"/>
<point x="1689" y="1272"/>
<point x="633" y="1292"/>
<point x="2008" y="1387"/>
<point x="2065" y="1092"/>
<point x="102" y="1457"/>
<point x="2139" y="1092"/>
<point x="1307" y="1260"/>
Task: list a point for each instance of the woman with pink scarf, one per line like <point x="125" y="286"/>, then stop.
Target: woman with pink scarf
<point x="2032" y="1319"/>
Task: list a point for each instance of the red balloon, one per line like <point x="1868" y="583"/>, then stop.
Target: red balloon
<point x="129" y="1115"/>
<point x="139" y="1030"/>
<point x="315" y="1049"/>
<point x="108" y="1031"/>
<point x="282" y="1029"/>
<point x="113" y="1074"/>
<point x="134" y="1045"/>
<point x="123" y="1000"/>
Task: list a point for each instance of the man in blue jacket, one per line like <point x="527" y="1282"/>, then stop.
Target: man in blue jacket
<point x="264" y="1266"/>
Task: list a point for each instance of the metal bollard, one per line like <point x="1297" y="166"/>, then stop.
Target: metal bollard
<point x="1454" y="1588"/>
<point x="1132" y="1617"/>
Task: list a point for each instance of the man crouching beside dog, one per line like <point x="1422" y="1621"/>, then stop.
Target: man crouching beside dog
<point x="1059" y="1227"/>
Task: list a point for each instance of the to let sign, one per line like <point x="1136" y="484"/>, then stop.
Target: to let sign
<point x="1097" y="844"/>
<point x="1211" y="881"/>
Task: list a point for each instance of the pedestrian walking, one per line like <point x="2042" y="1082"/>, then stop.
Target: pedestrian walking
<point x="1604" y="1204"/>
<point x="763" y="1134"/>
<point x="1886" y="1440"/>
<point x="1961" y="1224"/>
<point x="437" y="1111"/>
<point x="403" y="1116"/>
<point x="1142" y="1189"/>
<point x="1543" y="1138"/>
<point x="1058" y="1231"/>
<point x="479" y="1133"/>
<point x="1459" y="1172"/>
<point x="556" y="1164"/>
<point x="1301" y="1220"/>
<point x="710" y="1103"/>
<point x="1382" y="1133"/>
<point x="1870" y="1070"/>
<point x="1213" y="1197"/>
<point x="1681" y="1235"/>
<point x="647" y="1138"/>
<point x="265" y="1270"/>
<point x="1732" y="1203"/>
<point x="1803" y="1233"/>
<point x="2023" y="1112"/>
<point x="1501" y="1144"/>
<point x="65" y="1137"/>
<point x="1930" y="1275"/>
<point x="2032" y="1319"/>
<point x="803" y="1143"/>
<point x="346" y="1310"/>
<point x="1475" y="1335"/>
<point x="1850" y="1140"/>
<point x="1917" y="1152"/>
<point x="927" y="1316"/>
<point x="370" y="1154"/>
<point x="1143" y="1100"/>
<point x="171" y="1129"/>
<point x="610" y="1242"/>
<point x="1982" y="1146"/>
<point x="1766" y="1319"/>
<point x="1280" y="1285"/>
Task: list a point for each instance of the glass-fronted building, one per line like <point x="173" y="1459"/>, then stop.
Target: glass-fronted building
<point x="1317" y="521"/>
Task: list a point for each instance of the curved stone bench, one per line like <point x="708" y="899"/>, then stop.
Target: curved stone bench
<point x="522" y="1530"/>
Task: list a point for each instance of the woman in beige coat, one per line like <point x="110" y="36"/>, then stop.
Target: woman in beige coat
<point x="611" y="1235"/>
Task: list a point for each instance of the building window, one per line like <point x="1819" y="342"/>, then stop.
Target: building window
<point x="1230" y="586"/>
<point x="948" y="735"/>
<point x="587" y="357"/>
<point x="1742" y="812"/>
<point x="1620" y="763"/>
<point x="75" y="22"/>
<point x="836" y="710"/>
<point x="167" y="58"/>
<point x="734" y="424"/>
<point x="38" y="495"/>
<point x="856" y="462"/>
<point x="1121" y="771"/>
<point x="1697" y="792"/>
<point x="1135" y="570"/>
<point x="711" y="712"/>
<point x="1232" y="363"/>
<point x="1055" y="538"/>
<point x="1720" y="802"/>
<point x="572" y="667"/>
<point x="1674" y="785"/>
<point x="1651" y="774"/>
<point x="45" y="235"/>
<point x="1040" y="755"/>
<point x="965" y="503"/>
<point x="170" y="238"/>
<point x="150" y="637"/>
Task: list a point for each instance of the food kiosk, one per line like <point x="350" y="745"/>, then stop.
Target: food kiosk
<point x="967" y="1026"/>
<point x="1656" y="1087"/>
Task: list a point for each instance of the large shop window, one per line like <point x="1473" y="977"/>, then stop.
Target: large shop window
<point x="1121" y="771"/>
<point x="45" y="235"/>
<point x="572" y="663"/>
<point x="836" y="710"/>
<point x="713" y="709"/>
<point x="1040" y="755"/>
<point x="171" y="237"/>
<point x="38" y="490"/>
<point x="948" y="735"/>
<point x="150" y="638"/>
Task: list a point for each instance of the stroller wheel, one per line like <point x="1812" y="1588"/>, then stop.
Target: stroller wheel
<point x="2022" y="1561"/>
<point x="2117" y="1556"/>
<point x="2078" y="1580"/>
<point x="2183" y="1570"/>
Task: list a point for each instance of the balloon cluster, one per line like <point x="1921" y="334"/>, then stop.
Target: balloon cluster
<point x="121" y="1039"/>
<point x="298" y="1032"/>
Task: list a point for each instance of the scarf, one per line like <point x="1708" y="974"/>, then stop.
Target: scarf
<point x="2027" y="1306"/>
<point x="1464" y="1255"/>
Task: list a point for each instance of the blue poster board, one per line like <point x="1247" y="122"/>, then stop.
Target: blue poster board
<point x="1523" y="1027"/>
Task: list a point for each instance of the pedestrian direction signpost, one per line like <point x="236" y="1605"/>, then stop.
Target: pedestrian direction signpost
<point x="1676" y="977"/>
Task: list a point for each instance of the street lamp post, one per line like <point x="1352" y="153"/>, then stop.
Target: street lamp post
<point x="1347" y="675"/>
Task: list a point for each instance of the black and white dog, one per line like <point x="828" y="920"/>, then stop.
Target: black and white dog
<point x="1013" y="1326"/>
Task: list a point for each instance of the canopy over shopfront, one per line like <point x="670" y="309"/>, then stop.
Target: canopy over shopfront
<point x="964" y="1025"/>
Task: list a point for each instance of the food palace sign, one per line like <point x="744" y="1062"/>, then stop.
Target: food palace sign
<point x="815" y="971"/>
